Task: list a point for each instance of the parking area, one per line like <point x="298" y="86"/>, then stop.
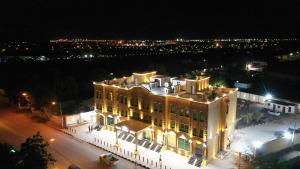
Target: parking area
<point x="256" y="127"/>
<point x="251" y="114"/>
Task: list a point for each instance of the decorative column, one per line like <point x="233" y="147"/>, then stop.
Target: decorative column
<point x="117" y="140"/>
<point x="136" y="144"/>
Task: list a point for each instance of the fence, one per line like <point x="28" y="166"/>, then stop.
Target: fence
<point x="121" y="152"/>
<point x="251" y="97"/>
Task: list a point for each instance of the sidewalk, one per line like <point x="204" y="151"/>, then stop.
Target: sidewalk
<point x="145" y="157"/>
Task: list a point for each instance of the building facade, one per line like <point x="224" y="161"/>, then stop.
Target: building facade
<point x="187" y="116"/>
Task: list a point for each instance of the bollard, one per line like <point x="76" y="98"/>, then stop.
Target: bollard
<point x="147" y="160"/>
<point x="155" y="164"/>
<point x="151" y="162"/>
<point x="139" y="157"/>
<point x="165" y="167"/>
<point x="143" y="159"/>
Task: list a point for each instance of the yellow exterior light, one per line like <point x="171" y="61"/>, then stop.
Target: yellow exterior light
<point x="141" y="116"/>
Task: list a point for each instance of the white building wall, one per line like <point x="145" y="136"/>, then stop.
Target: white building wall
<point x="213" y="129"/>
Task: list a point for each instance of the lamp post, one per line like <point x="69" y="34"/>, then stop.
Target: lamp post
<point x="25" y="96"/>
<point x="290" y="136"/>
<point x="62" y="121"/>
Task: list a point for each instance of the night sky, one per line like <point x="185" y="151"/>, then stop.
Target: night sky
<point x="40" y="20"/>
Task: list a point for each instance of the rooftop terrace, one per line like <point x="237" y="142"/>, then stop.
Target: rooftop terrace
<point x="197" y="89"/>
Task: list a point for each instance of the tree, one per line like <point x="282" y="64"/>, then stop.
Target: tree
<point x="8" y="156"/>
<point x="218" y="81"/>
<point x="34" y="154"/>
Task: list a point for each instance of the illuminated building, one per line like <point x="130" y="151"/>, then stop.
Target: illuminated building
<point x="187" y="116"/>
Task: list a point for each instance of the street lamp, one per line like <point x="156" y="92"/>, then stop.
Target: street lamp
<point x="24" y="94"/>
<point x="62" y="121"/>
<point x="287" y="135"/>
<point x="256" y="144"/>
<point x="268" y="96"/>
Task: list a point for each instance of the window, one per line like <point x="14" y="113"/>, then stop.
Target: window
<point x="184" y="127"/>
<point x="172" y="124"/>
<point x="99" y="106"/>
<point x="145" y="104"/>
<point x="199" y="116"/>
<point x="125" y="100"/>
<point x="187" y="112"/>
<point x="290" y="109"/>
<point x="278" y="106"/>
<point x="181" y="113"/>
<point x="109" y="108"/>
<point x="110" y="121"/>
<point x="136" y="115"/>
<point x="173" y="108"/>
<point x="147" y="119"/>
<point x="99" y="95"/>
<point x="201" y="133"/>
<point x="161" y="107"/>
<point x="184" y="144"/>
<point x="155" y="106"/>
<point x="134" y="102"/>
<point x="121" y="99"/>
<point x="184" y="112"/>
<point x="195" y="132"/>
<point x="155" y="121"/>
<point x="124" y="113"/>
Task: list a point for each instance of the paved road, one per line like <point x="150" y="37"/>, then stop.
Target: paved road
<point x="16" y="126"/>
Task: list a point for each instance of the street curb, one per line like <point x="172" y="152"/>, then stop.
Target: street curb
<point x="82" y="141"/>
<point x="118" y="155"/>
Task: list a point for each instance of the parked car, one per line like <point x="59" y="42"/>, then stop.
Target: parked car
<point x="73" y="166"/>
<point x="297" y="130"/>
<point x="108" y="159"/>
